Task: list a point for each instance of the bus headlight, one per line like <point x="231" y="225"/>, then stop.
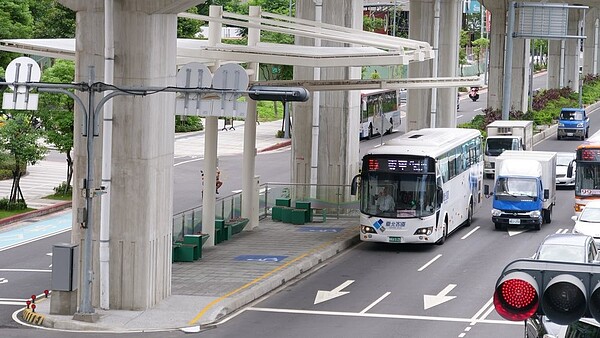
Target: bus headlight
<point x="424" y="231"/>
<point x="496" y="212"/>
<point x="535" y="214"/>
<point x="367" y="229"/>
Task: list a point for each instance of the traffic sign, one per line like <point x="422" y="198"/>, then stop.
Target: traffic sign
<point x="21" y="69"/>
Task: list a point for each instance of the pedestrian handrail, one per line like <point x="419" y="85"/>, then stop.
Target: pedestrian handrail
<point x="334" y="200"/>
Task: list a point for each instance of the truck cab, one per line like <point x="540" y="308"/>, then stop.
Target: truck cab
<point x="505" y="135"/>
<point x="573" y="122"/>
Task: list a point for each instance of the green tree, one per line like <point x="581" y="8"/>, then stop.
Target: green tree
<point x="16" y="22"/>
<point x="51" y="19"/>
<point x="188" y="28"/>
<point x="19" y="139"/>
<point x="56" y="113"/>
<point x="479" y="46"/>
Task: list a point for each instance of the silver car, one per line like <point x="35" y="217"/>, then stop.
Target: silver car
<point x="563" y="160"/>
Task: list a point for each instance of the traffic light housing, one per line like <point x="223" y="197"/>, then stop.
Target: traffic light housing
<point x="285" y="94"/>
<point x="562" y="291"/>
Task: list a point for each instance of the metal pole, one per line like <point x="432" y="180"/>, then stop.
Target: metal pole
<point x="508" y="62"/>
<point x="85" y="306"/>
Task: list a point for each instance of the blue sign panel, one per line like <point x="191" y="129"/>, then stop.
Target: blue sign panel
<point x="471" y="7"/>
<point x="260" y="258"/>
<point x="319" y="229"/>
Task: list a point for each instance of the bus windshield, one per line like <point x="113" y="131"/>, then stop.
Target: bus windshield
<point x="587" y="179"/>
<point x="398" y="195"/>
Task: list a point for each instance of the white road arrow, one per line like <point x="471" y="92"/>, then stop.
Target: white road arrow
<point x="431" y="301"/>
<point x="323" y="296"/>
<point x="3" y="280"/>
<point x="515" y="232"/>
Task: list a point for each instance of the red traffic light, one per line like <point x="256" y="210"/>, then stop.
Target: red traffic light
<point x="516" y="297"/>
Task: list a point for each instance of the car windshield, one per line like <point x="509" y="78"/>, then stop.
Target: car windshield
<point x="561" y="252"/>
<point x="571" y="115"/>
<point x="590" y="215"/>
<point x="564" y="159"/>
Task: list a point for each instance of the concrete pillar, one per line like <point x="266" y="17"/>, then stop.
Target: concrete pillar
<point x="422" y="16"/>
<point x="143" y="134"/>
<point x="338" y="148"/>
<point x="418" y="105"/>
<point x="497" y="46"/>
<point x="555" y="64"/>
<point x="449" y="44"/>
<point x="590" y="45"/>
<point x="520" y="73"/>
<point x="572" y="52"/>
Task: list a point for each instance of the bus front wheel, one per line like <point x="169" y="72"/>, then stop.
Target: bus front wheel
<point x="370" y="131"/>
<point x="470" y="215"/>
<point x="444" y="234"/>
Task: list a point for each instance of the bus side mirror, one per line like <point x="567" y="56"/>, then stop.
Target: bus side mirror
<point x="354" y="185"/>
<point x="486" y="190"/>
<point x="570" y="169"/>
<point x="440" y="196"/>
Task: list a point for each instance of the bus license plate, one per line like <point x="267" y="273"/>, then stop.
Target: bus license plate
<point x="514" y="221"/>
<point x="395" y="239"/>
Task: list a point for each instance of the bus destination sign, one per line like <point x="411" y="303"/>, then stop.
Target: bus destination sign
<point x="411" y="165"/>
<point x="592" y="155"/>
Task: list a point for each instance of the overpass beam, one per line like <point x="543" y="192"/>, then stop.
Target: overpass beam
<point x="590" y="45"/>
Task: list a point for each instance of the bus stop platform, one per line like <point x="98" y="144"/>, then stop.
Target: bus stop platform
<point x="227" y="277"/>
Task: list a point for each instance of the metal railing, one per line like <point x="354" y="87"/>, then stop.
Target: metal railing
<point x="331" y="201"/>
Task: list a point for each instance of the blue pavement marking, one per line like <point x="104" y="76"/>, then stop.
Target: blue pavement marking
<point x="260" y="258"/>
<point x="319" y="229"/>
<point x="31" y="232"/>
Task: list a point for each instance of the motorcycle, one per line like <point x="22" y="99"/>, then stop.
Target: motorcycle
<point x="474" y="93"/>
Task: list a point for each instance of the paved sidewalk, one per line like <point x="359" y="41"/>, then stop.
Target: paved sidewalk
<point x="228" y="276"/>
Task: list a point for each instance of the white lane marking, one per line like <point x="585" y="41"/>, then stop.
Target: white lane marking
<point x="478" y="313"/>
<point x="3" y="280"/>
<point x="36" y="239"/>
<point x="459" y="116"/>
<point x="23" y="303"/>
<point x="470" y="232"/>
<point x="563" y="231"/>
<point x="478" y="109"/>
<point x="188" y="161"/>
<point x="429" y="263"/>
<point x="13" y="300"/>
<point x="380" y="315"/>
<point x="24" y="270"/>
<point x="375" y="302"/>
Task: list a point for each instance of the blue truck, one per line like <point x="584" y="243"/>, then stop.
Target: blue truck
<point x="573" y="122"/>
<point x="524" y="191"/>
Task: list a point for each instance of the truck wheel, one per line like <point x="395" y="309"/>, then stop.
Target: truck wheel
<point x="558" y="136"/>
<point x="389" y="131"/>
<point x="582" y="137"/>
<point x="537" y="226"/>
<point x="547" y="216"/>
<point x="587" y="133"/>
<point x="498" y="226"/>
<point x="370" y="131"/>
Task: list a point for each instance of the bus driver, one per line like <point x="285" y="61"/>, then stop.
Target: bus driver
<point x="385" y="202"/>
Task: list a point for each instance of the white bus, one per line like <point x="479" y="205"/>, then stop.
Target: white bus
<point x="379" y="111"/>
<point x="434" y="176"/>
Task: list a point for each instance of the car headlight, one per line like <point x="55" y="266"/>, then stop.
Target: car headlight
<point x="367" y="229"/>
<point x="535" y="213"/>
<point x="560" y="124"/>
<point x="496" y="212"/>
<point x="424" y="231"/>
<point x="579" y="125"/>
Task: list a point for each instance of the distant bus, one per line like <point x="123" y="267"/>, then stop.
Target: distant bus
<point x="434" y="176"/>
<point x="587" y="174"/>
<point x="379" y="111"/>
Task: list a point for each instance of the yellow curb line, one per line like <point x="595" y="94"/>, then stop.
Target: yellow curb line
<point x="258" y="279"/>
<point x="32" y="317"/>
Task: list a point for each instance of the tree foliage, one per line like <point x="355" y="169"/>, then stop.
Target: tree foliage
<point x="19" y="139"/>
<point x="16" y="22"/>
<point x="188" y="28"/>
<point x="56" y="113"/>
<point x="51" y="19"/>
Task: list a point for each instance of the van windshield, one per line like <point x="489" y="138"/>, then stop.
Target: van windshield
<point x="495" y="146"/>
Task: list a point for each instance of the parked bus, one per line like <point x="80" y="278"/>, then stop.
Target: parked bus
<point x="434" y="176"/>
<point x="587" y="172"/>
<point x="379" y="111"/>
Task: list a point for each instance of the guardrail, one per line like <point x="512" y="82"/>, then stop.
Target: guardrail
<point x="333" y="200"/>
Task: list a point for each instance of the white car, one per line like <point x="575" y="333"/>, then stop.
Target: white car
<point x="563" y="159"/>
<point x="588" y="221"/>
